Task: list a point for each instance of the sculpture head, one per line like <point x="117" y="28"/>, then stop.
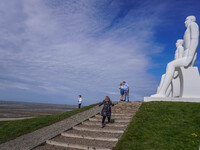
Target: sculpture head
<point x="189" y="20"/>
<point x="179" y="42"/>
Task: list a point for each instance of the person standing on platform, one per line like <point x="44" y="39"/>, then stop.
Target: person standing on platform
<point x="126" y="91"/>
<point x="121" y="92"/>
<point x="79" y="101"/>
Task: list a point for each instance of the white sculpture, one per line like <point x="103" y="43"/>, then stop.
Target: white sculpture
<point x="180" y="49"/>
<point x="179" y="53"/>
<point x="184" y="60"/>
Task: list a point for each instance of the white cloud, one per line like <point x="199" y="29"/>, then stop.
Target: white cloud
<point x="66" y="48"/>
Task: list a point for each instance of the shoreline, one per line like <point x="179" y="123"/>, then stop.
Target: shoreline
<point x="13" y="109"/>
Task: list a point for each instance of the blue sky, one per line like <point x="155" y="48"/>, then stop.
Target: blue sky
<point x="53" y="50"/>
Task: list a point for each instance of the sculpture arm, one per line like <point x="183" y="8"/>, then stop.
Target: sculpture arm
<point x="193" y="47"/>
<point x="194" y="31"/>
<point x="180" y="52"/>
<point x="192" y="51"/>
<point x="176" y="54"/>
<point x="194" y="41"/>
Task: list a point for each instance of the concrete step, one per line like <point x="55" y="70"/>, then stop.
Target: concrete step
<point x="108" y="125"/>
<point x="98" y="129"/>
<point x="58" y="144"/>
<point x="115" y="117"/>
<point x="126" y="107"/>
<point x="81" y="143"/>
<point x="122" y="114"/>
<point x="89" y="137"/>
<point x="94" y="134"/>
<point x="53" y="147"/>
<point x="115" y="120"/>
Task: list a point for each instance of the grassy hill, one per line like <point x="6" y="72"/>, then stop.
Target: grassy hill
<point x="156" y="125"/>
<point x="163" y="126"/>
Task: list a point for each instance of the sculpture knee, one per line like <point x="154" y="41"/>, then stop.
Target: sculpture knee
<point x="170" y="66"/>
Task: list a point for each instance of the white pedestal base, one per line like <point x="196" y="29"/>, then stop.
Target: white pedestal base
<point x="189" y="82"/>
<point x="171" y="99"/>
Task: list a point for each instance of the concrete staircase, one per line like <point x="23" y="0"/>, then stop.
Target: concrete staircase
<point x="90" y="136"/>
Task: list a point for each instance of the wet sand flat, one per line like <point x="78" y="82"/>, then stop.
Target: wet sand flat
<point x="10" y="109"/>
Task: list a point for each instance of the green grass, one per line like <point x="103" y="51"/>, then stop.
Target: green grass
<point x="11" y="129"/>
<point x="163" y="126"/>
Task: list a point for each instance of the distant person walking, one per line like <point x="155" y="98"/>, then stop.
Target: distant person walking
<point x="106" y="111"/>
<point x="126" y="91"/>
<point x="121" y="91"/>
<point x="79" y="101"/>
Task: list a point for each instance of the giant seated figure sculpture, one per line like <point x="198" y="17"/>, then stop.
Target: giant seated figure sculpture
<point x="181" y="78"/>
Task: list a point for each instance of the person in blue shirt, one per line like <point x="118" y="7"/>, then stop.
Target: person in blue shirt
<point x="126" y="91"/>
<point x="121" y="91"/>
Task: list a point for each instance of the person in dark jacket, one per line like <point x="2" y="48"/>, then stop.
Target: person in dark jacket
<point x="106" y="110"/>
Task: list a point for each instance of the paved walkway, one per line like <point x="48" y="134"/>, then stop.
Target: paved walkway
<point x="90" y="135"/>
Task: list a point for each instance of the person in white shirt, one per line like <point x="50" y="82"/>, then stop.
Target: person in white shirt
<point x="79" y="101"/>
